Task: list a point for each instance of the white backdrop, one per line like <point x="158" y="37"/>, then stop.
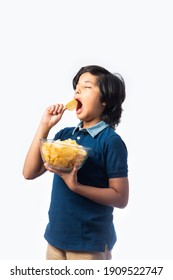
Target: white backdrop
<point x="43" y="45"/>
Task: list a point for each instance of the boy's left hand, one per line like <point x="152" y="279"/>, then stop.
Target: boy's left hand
<point x="70" y="178"/>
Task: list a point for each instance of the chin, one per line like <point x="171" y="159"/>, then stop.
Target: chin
<point x="79" y="116"/>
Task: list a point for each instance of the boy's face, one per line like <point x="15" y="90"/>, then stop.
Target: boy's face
<point x="87" y="93"/>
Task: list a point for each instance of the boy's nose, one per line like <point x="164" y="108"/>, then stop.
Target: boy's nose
<point x="77" y="92"/>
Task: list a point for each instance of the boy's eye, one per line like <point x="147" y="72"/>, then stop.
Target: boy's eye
<point x="87" y="87"/>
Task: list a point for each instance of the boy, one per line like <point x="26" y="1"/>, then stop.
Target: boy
<point x="82" y="201"/>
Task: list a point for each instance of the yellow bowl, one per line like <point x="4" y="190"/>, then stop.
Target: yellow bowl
<point x="63" y="155"/>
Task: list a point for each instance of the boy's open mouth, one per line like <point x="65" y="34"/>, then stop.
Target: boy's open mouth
<point x="78" y="107"/>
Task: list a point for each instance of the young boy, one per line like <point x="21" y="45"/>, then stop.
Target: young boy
<point x="82" y="202"/>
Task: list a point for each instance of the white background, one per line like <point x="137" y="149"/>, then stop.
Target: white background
<point x="43" y="45"/>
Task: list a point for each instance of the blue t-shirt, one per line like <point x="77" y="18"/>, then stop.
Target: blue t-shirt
<point x="75" y="222"/>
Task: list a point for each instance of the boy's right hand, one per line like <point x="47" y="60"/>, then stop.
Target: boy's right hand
<point x="53" y="114"/>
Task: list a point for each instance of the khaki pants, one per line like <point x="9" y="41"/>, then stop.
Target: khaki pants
<point x="57" y="254"/>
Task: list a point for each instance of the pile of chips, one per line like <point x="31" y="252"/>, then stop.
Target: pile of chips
<point x="63" y="154"/>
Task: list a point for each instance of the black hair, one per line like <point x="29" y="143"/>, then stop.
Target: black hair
<point x="112" y="91"/>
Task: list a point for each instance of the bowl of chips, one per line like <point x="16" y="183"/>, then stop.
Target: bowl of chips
<point x="63" y="155"/>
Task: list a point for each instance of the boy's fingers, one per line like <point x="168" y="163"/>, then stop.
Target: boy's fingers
<point x="75" y="169"/>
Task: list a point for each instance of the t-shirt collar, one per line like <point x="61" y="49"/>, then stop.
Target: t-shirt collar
<point x="93" y="130"/>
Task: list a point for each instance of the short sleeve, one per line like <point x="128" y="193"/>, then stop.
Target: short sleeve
<point x="116" y="157"/>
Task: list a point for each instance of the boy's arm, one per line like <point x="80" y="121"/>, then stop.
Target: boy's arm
<point x="33" y="164"/>
<point x="116" y="195"/>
